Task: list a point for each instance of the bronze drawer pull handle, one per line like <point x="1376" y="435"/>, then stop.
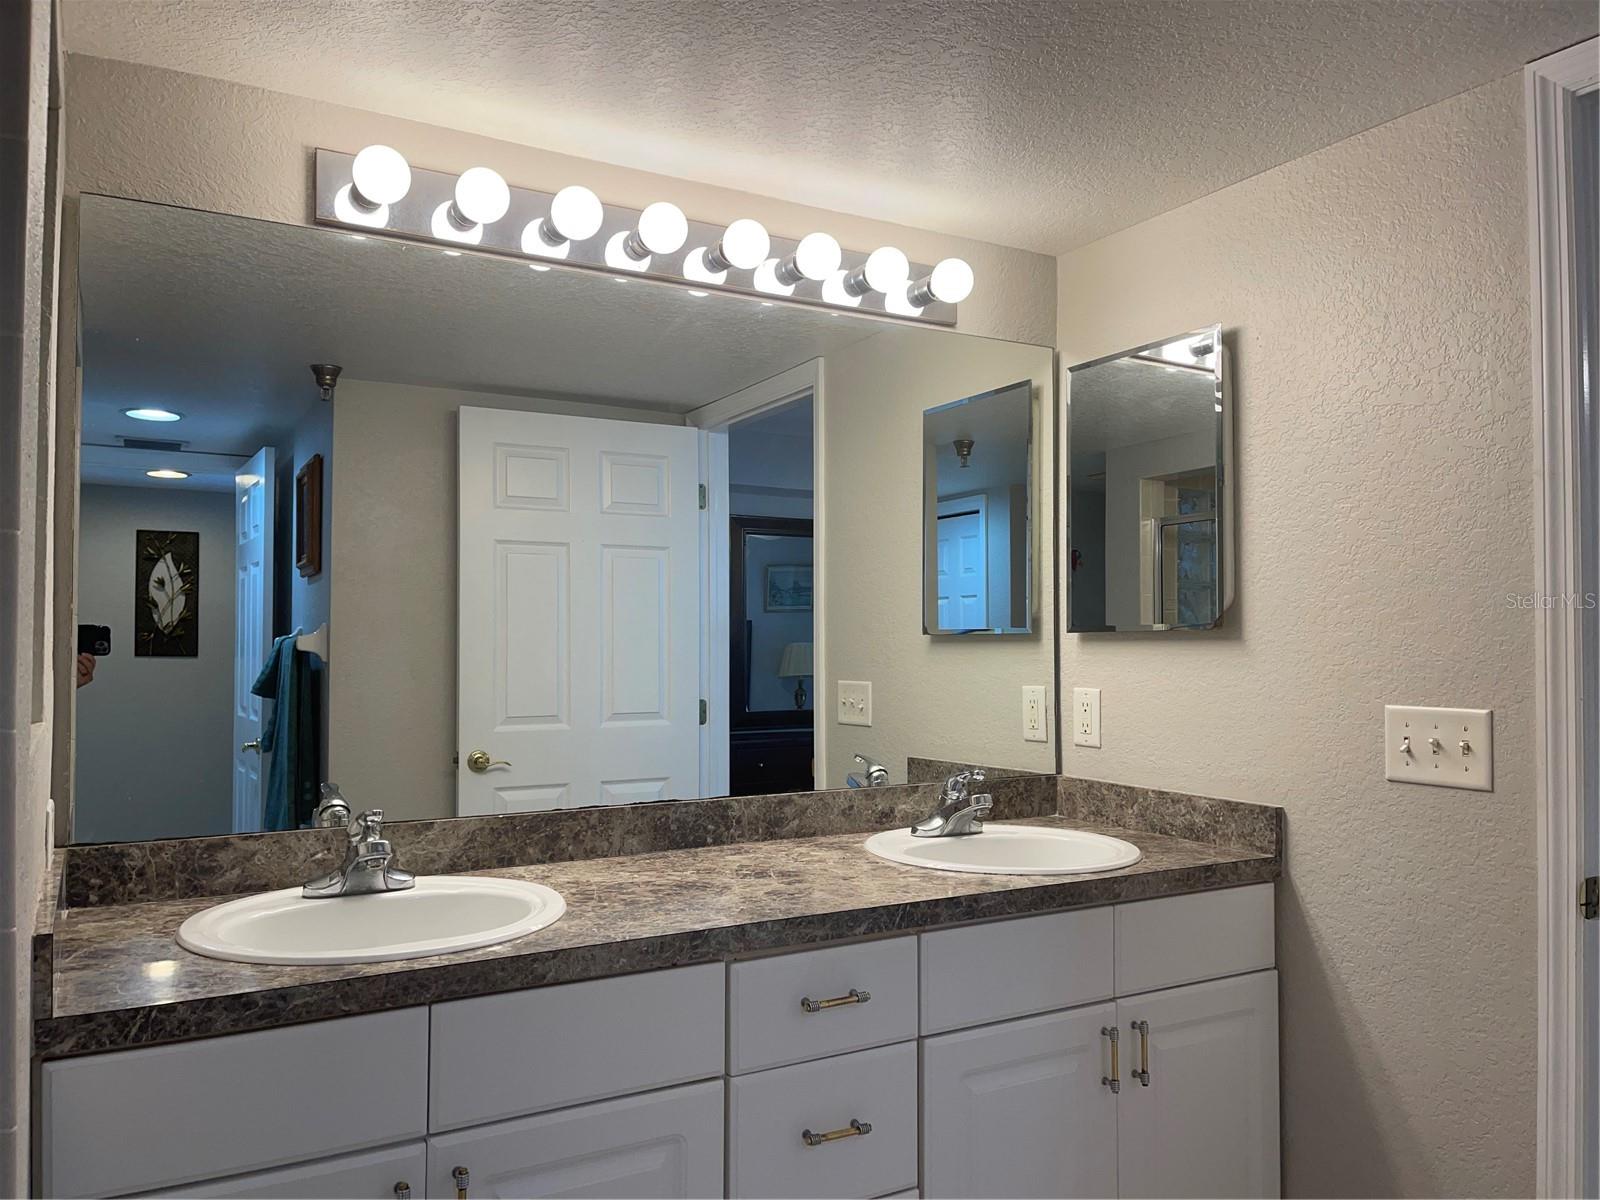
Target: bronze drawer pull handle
<point x="854" y="1129"/>
<point x="1142" y="1028"/>
<point x="1113" y="1080"/>
<point x="852" y="997"/>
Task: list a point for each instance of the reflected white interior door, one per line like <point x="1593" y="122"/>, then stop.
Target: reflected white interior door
<point x="578" y="650"/>
<point x="252" y="629"/>
<point x="963" y="566"/>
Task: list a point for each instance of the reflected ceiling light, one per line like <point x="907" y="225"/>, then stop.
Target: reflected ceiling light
<point x="696" y="271"/>
<point x="698" y="294"/>
<point x="900" y="302"/>
<point x="152" y="414"/>
<point x="744" y="245"/>
<point x="950" y="282"/>
<point x="662" y="229"/>
<point x="481" y="198"/>
<point x="886" y="270"/>
<point x="815" y="258"/>
<point x="379" y="177"/>
<point x="576" y="215"/>
<point x="167" y="473"/>
<point x="537" y="267"/>
<point x="768" y="280"/>
<point x="963" y="447"/>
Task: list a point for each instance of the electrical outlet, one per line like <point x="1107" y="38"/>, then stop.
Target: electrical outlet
<point x="855" y="702"/>
<point x="1442" y="747"/>
<point x="1086" y="717"/>
<point x="1035" y="714"/>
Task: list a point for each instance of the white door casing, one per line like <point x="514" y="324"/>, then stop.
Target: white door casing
<point x="252" y="633"/>
<point x="578" y="652"/>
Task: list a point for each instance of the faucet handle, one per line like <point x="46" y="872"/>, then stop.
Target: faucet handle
<point x="366" y="825"/>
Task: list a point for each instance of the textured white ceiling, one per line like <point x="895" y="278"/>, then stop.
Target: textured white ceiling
<point x="1041" y="124"/>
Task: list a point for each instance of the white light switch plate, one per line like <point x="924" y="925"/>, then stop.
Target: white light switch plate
<point x="1086" y="717"/>
<point x="1035" y="714"/>
<point x="1424" y="745"/>
<point x="855" y="702"/>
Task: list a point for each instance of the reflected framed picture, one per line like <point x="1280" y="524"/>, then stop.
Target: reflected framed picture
<point x="788" y="588"/>
<point x="166" y="606"/>
<point x="308" y="518"/>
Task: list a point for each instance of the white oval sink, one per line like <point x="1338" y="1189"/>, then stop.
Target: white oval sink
<point x="1008" y="850"/>
<point x="441" y="914"/>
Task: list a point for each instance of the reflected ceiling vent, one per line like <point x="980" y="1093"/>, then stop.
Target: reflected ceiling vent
<point x="133" y="443"/>
<point x="327" y="377"/>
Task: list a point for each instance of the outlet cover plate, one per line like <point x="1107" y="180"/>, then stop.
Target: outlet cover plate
<point x="1448" y="764"/>
<point x="855" y="702"/>
<point x="1035" y="714"/>
<point x="1086" y="717"/>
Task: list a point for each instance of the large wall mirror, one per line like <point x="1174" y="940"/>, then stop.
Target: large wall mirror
<point x="1150" y="487"/>
<point x="549" y="538"/>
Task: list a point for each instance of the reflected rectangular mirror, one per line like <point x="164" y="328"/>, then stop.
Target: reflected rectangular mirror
<point x="1150" y="487"/>
<point x="977" y="526"/>
<point x="553" y="539"/>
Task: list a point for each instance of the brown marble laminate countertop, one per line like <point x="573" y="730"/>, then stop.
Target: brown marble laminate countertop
<point x="120" y="980"/>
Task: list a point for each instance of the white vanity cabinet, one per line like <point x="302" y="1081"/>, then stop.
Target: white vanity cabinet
<point x="971" y="1061"/>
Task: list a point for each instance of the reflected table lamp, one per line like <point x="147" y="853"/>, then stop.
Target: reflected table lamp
<point x="795" y="663"/>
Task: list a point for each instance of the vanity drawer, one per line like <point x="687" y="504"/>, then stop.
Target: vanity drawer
<point x="769" y="1026"/>
<point x="770" y="1112"/>
<point x="370" y="1175"/>
<point x="139" y="1120"/>
<point x="982" y="973"/>
<point x="525" y="1052"/>
<point x="665" y="1144"/>
<point x="1183" y="939"/>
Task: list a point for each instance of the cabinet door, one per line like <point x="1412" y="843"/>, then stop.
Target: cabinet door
<point x="1206" y="1122"/>
<point x="1019" y="1109"/>
<point x="661" y="1144"/>
<point x="373" y="1175"/>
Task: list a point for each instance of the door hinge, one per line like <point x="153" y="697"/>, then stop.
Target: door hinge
<point x="702" y="712"/>
<point x="1589" y="897"/>
<point x="702" y="497"/>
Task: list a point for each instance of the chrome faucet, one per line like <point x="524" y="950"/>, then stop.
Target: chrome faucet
<point x="875" y="775"/>
<point x="334" y="809"/>
<point x="368" y="863"/>
<point x="958" y="813"/>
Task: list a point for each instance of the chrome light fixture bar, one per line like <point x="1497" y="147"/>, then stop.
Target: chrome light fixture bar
<point x="477" y="209"/>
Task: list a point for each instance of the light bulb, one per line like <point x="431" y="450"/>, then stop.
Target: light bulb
<point x="885" y="270"/>
<point x="744" y="245"/>
<point x="835" y="291"/>
<point x="167" y="473"/>
<point x="816" y="257"/>
<point x="576" y="215"/>
<point x="619" y="255"/>
<point x="380" y="175"/>
<point x="482" y="198"/>
<point x="662" y="229"/>
<point x="697" y="267"/>
<point x="767" y="279"/>
<point x="152" y="414"/>
<point x="950" y="282"/>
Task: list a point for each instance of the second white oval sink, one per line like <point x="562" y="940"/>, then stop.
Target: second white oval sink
<point x="1008" y="850"/>
<point x="441" y="914"/>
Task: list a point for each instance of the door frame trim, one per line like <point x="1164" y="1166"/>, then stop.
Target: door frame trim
<point x="1565" y="1129"/>
<point x="715" y="419"/>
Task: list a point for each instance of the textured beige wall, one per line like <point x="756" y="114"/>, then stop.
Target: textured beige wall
<point x="151" y="134"/>
<point x="1376" y="297"/>
<point x="950" y="697"/>
<point x="392" y="669"/>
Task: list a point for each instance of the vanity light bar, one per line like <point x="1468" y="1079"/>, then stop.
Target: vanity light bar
<point x="377" y="191"/>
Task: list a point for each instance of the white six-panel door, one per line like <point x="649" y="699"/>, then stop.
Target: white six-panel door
<point x="579" y="622"/>
<point x="963" y="564"/>
<point x="252" y="630"/>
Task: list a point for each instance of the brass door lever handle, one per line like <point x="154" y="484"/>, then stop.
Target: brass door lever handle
<point x="479" y="761"/>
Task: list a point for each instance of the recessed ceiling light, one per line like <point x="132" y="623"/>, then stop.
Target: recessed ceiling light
<point x="167" y="473"/>
<point x="152" y="414"/>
